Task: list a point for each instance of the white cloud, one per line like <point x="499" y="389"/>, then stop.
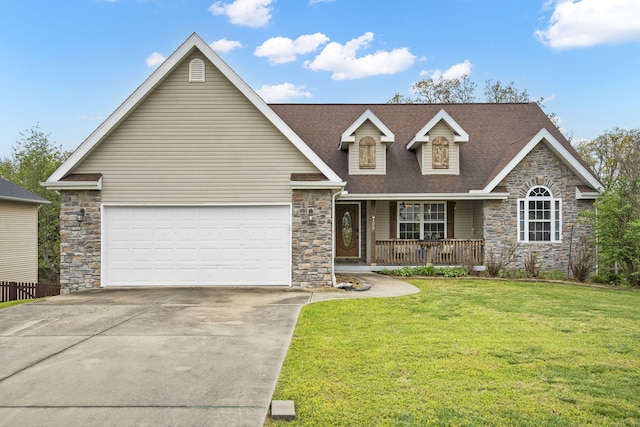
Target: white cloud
<point x="341" y="60"/>
<point x="586" y="23"/>
<point x="281" y="50"/>
<point x="155" y="59"/>
<point x="250" y="13"/>
<point x="454" y="72"/>
<point x="283" y="92"/>
<point x="224" y="46"/>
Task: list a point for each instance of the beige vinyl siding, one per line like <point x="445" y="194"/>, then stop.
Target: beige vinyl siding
<point x="382" y="220"/>
<point x="463" y="219"/>
<point x="441" y="129"/>
<point x="18" y="241"/>
<point x="367" y="129"/>
<point x="196" y="143"/>
<point x="478" y="219"/>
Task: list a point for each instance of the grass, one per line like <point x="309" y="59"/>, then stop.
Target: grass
<point x="468" y="353"/>
<point x="8" y="304"/>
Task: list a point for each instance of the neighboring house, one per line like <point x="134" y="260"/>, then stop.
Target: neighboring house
<point x="18" y="233"/>
<point x="195" y="180"/>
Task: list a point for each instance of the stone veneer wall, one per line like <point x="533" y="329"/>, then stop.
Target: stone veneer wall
<point x="79" y="241"/>
<point x="540" y="167"/>
<point x="312" y="244"/>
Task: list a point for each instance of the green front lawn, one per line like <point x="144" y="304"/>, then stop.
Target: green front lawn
<point x="467" y="353"/>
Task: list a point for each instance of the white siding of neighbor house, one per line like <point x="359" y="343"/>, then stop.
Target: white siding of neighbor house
<point x="367" y="129"/>
<point x="18" y="241"/>
<point x="463" y="219"/>
<point x="441" y="129"/>
<point x="194" y="143"/>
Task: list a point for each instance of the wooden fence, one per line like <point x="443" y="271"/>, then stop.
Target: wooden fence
<point x="11" y="291"/>
<point x="437" y="252"/>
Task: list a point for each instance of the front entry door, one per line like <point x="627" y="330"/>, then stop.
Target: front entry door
<point x="348" y="230"/>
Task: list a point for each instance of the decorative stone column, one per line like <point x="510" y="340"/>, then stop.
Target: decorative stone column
<point x="80" y="239"/>
<point x="312" y="243"/>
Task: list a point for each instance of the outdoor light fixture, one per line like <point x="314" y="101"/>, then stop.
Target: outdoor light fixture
<point x="81" y="213"/>
<point x="310" y="213"/>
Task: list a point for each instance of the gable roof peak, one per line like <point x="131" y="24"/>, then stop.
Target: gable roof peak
<point x="386" y="136"/>
<point x="460" y="135"/>
<point x="193" y="42"/>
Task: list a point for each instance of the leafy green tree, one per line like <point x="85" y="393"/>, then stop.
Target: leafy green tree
<point x="461" y="90"/>
<point x="617" y="224"/>
<point x="496" y="92"/>
<point x="442" y="91"/>
<point x="615" y="158"/>
<point x="34" y="159"/>
<point x="614" y="154"/>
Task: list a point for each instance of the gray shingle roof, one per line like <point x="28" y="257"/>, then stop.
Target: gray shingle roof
<point x="9" y="191"/>
<point x="497" y="132"/>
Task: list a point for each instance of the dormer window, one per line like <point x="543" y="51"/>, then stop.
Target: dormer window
<point x="367" y="153"/>
<point x="196" y="70"/>
<point x="440" y="155"/>
<point x="437" y="145"/>
<point x="367" y="140"/>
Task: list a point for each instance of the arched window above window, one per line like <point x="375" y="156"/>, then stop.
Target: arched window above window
<point x="196" y="70"/>
<point x="539" y="216"/>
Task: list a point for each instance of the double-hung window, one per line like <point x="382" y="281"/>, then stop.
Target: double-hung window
<point x="539" y="216"/>
<point x="421" y="220"/>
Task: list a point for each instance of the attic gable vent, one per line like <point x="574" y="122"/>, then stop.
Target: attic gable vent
<point x="196" y="70"/>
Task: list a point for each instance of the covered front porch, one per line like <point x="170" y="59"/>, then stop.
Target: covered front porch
<point x="378" y="233"/>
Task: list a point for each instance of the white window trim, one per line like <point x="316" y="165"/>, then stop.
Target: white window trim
<point x="556" y="219"/>
<point x="422" y="222"/>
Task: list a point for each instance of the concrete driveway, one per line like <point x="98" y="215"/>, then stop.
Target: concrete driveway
<point x="161" y="356"/>
<point x="150" y="357"/>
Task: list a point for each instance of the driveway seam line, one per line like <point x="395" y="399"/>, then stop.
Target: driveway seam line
<point x="67" y="348"/>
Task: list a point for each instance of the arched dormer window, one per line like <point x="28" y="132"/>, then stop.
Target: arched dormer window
<point x="196" y="70"/>
<point x="539" y="216"/>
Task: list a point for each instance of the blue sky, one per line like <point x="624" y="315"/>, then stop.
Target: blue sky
<point x="68" y="64"/>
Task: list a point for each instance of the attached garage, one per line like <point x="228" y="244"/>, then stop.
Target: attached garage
<point x="196" y="245"/>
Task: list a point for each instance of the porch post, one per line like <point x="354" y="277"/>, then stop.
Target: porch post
<point x="372" y="252"/>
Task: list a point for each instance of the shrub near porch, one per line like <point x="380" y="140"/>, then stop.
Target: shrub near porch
<point x="466" y="352"/>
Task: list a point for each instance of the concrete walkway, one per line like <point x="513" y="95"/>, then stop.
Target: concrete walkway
<point x="153" y="357"/>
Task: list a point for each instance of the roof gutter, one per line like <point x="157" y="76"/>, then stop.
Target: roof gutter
<point x="317" y="185"/>
<point x="19" y="199"/>
<point x="73" y="185"/>
<point x="426" y="196"/>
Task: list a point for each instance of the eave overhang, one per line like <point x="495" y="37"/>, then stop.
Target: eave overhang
<point x="317" y="185"/>
<point x="73" y="185"/>
<point x="587" y="193"/>
<point x="22" y="200"/>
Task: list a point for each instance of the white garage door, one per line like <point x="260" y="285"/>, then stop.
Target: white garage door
<point x="235" y="245"/>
